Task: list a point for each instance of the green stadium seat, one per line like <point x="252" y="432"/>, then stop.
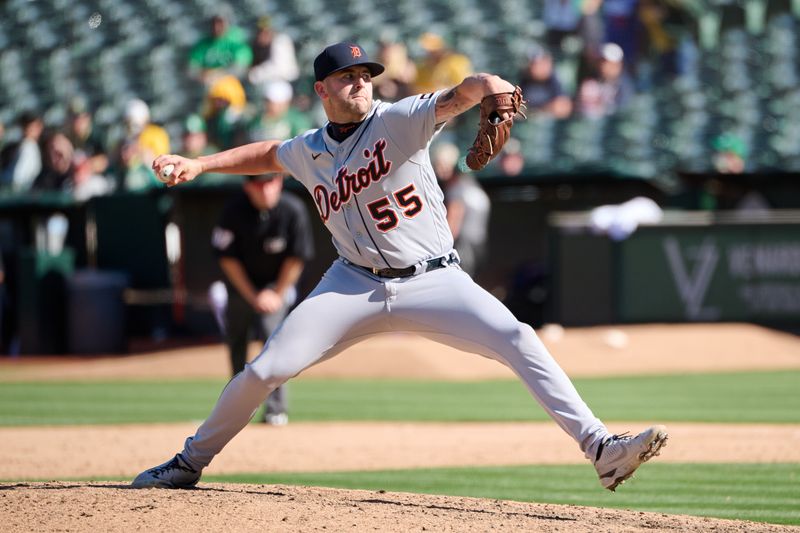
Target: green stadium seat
<point x="746" y="81"/>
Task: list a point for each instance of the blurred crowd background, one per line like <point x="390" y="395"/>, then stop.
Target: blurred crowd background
<point x="680" y="95"/>
<point x="93" y="90"/>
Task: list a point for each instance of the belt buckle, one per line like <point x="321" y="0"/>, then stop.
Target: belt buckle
<point x="376" y="271"/>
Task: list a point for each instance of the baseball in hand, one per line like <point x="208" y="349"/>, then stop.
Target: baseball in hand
<point x="166" y="173"/>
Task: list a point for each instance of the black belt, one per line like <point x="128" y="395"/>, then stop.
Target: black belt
<point x="431" y="264"/>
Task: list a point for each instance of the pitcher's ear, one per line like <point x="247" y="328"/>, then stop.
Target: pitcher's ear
<point x="319" y="88"/>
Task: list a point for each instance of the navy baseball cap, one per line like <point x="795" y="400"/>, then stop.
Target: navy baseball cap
<point x="340" y="56"/>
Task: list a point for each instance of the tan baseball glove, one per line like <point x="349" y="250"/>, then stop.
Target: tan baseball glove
<point x="493" y="130"/>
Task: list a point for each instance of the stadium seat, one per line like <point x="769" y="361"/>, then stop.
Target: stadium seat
<point x="745" y="78"/>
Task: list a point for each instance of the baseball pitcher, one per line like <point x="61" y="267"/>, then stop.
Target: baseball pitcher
<point x="369" y="173"/>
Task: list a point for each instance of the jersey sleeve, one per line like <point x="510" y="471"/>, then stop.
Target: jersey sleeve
<point x="412" y="121"/>
<point x="294" y="155"/>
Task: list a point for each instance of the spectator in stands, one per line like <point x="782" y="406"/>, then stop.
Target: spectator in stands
<point x="152" y="139"/>
<point x="592" y="33"/>
<point x="468" y="206"/>
<point x="611" y="89"/>
<point x="562" y="18"/>
<point x="136" y="147"/>
<point x="274" y="55"/>
<point x="223" y="52"/>
<point x="88" y="143"/>
<point x="730" y="154"/>
<point x="622" y="26"/>
<point x="22" y="161"/>
<point x="396" y="81"/>
<point x="511" y="161"/>
<point x="86" y="139"/>
<point x="440" y="68"/>
<point x="711" y="192"/>
<point x="61" y="173"/>
<point x="133" y="173"/>
<point x="195" y="139"/>
<point x="195" y="144"/>
<point x="730" y="157"/>
<point x="57" y="167"/>
<point x="278" y="118"/>
<point x="224" y="111"/>
<point x="668" y="43"/>
<point x="86" y="184"/>
<point x="541" y="88"/>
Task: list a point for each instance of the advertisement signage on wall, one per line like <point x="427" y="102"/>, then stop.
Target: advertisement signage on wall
<point x="710" y="273"/>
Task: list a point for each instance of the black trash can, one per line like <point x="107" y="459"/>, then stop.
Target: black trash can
<point x="96" y="312"/>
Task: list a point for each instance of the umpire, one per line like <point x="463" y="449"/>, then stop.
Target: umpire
<point x="262" y="241"/>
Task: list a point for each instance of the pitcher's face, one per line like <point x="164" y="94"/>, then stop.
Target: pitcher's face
<point x="346" y="94"/>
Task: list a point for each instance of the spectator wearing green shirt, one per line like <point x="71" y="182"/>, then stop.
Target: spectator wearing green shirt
<point x="195" y="139"/>
<point x="224" y="51"/>
<point x="278" y="119"/>
<point x="195" y="144"/>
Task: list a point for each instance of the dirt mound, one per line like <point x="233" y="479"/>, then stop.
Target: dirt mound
<point x="227" y="507"/>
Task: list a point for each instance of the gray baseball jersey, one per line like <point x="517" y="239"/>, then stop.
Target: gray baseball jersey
<point x="377" y="194"/>
<point x="376" y="191"/>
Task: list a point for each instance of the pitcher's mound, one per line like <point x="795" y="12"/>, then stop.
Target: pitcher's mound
<point x="111" y="507"/>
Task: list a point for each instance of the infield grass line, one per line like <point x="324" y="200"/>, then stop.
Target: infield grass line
<point x="756" y="397"/>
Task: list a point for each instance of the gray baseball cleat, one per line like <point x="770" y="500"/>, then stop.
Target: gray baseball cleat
<point x="174" y="474"/>
<point x="620" y="455"/>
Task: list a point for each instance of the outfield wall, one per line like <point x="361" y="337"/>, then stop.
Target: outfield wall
<point x="544" y="262"/>
<point x="693" y="266"/>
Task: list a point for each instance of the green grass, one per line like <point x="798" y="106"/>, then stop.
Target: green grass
<point x="766" y="397"/>
<point x="760" y="492"/>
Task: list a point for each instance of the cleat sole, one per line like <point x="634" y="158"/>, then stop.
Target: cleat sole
<point x="654" y="449"/>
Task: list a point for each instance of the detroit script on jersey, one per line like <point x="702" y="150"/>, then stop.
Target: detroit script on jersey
<point x="348" y="183"/>
<point x="376" y="191"/>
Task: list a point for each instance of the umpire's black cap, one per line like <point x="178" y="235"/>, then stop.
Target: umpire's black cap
<point x="269" y="176"/>
<point x="340" y="56"/>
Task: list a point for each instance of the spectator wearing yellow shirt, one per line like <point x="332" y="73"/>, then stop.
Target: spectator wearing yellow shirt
<point x="144" y="141"/>
<point x="440" y="68"/>
<point x="224" y="111"/>
<point x="153" y="140"/>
